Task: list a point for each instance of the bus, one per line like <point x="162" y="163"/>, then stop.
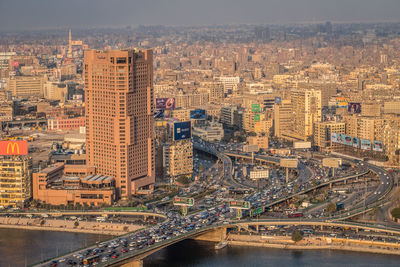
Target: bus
<point x="90" y="260"/>
<point x="295" y="215"/>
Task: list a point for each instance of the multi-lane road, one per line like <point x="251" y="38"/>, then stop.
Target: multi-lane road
<point x="177" y="227"/>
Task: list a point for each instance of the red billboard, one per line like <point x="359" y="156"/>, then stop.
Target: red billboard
<point x="11" y="148"/>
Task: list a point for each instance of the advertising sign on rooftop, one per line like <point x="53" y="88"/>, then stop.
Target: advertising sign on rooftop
<point x="158" y="113"/>
<point x="354" y="108"/>
<point x="342" y="102"/>
<point x="348" y="140"/>
<point x="365" y="144"/>
<point x="255" y="107"/>
<point x="377" y="146"/>
<point x="182" y="130"/>
<point x="356" y="142"/>
<point x="12" y="148"/>
<point x="165" y="103"/>
<point x="334" y="137"/>
<point x="198" y="114"/>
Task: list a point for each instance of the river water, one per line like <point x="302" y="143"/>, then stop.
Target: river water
<point x="200" y="253"/>
<point x="21" y="247"/>
<point x="25" y="247"/>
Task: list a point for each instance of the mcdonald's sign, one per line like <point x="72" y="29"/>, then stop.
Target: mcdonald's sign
<point x="10" y="148"/>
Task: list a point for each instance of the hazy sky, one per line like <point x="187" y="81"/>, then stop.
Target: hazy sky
<point x="36" y="14"/>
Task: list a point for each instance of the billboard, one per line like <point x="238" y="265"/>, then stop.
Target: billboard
<point x="356" y="142"/>
<point x="365" y="144"/>
<point x="342" y="102"/>
<point x="259" y="174"/>
<point x="165" y="103"/>
<point x="354" y="108"/>
<point x="250" y="148"/>
<point x="183" y="201"/>
<point x="198" y="114"/>
<point x="301" y="144"/>
<point x="377" y="146"/>
<point x="256" y="117"/>
<point x="278" y="100"/>
<point x="341" y="138"/>
<point x="348" y="140"/>
<point x="331" y="162"/>
<point x="255" y="107"/>
<point x="11" y="148"/>
<point x="159" y="113"/>
<point x="182" y="130"/>
<point x="289" y="163"/>
<point x="238" y="204"/>
<point x="334" y="137"/>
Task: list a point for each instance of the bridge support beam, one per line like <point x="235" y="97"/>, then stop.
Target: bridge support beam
<point x="214" y="235"/>
<point x="134" y="263"/>
<point x="287" y="175"/>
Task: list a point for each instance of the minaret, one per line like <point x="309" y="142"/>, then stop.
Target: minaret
<point x="69" y="55"/>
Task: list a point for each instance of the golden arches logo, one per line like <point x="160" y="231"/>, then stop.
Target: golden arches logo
<point x="12" y="146"/>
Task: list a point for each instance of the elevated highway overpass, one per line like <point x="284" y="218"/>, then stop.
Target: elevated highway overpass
<point x="218" y="230"/>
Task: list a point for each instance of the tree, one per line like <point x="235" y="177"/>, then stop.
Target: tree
<point x="331" y="208"/>
<point x="297" y="236"/>
<point x="76" y="224"/>
<point x="42" y="222"/>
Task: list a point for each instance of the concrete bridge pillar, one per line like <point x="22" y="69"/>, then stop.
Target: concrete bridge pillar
<point x="330" y="186"/>
<point x="134" y="263"/>
<point x="345" y="181"/>
<point x="287" y="175"/>
<point x="322" y="227"/>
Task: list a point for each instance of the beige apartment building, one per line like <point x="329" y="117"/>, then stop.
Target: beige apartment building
<point x="322" y="134"/>
<point x="15" y="180"/>
<point x="6" y="111"/>
<point x="119" y="117"/>
<point x="391" y="142"/>
<point x="283" y="118"/>
<point x="26" y="86"/>
<point x="178" y="158"/>
<point x="214" y="89"/>
<point x="259" y="140"/>
<point x="55" y="91"/>
<point x="306" y="105"/>
<point x="370" y="128"/>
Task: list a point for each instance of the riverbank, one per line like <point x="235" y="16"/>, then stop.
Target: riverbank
<point x="102" y="228"/>
<point x="315" y="243"/>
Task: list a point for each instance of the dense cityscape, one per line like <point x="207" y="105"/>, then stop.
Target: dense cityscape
<point x="150" y="139"/>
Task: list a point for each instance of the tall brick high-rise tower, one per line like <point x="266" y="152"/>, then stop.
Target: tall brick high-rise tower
<point x="119" y="117"/>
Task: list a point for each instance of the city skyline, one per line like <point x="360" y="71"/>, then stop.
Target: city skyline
<point x="46" y="14"/>
<point x="259" y="123"/>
